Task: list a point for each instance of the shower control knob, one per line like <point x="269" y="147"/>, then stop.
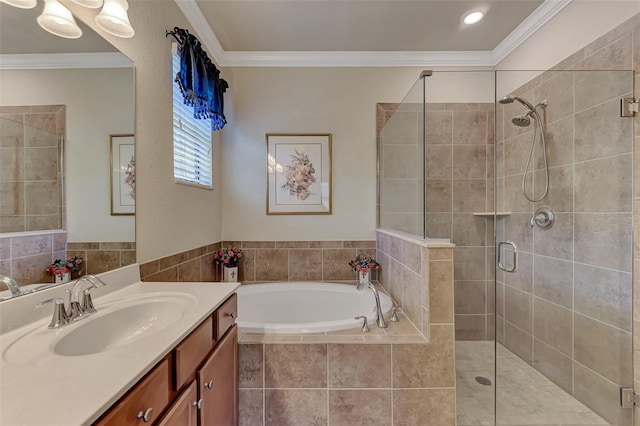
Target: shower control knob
<point x="543" y="217"/>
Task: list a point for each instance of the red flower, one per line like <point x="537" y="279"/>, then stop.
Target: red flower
<point x="239" y="255"/>
<point x="226" y="261"/>
<point x="235" y="249"/>
<point x="358" y="268"/>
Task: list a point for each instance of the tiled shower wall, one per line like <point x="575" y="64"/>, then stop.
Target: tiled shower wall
<point x="30" y="168"/>
<point x="459" y="183"/>
<point x="567" y="310"/>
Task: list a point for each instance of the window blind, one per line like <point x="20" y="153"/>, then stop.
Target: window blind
<point x="192" y="161"/>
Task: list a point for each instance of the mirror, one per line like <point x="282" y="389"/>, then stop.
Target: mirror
<point x="67" y="112"/>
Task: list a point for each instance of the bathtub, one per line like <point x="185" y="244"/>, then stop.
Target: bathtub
<point x="305" y="307"/>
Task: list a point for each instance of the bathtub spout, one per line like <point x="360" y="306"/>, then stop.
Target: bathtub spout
<point x="379" y="316"/>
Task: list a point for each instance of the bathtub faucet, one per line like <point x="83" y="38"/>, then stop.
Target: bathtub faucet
<point x="379" y="315"/>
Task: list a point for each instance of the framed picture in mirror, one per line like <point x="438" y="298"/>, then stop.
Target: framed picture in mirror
<point x="123" y="175"/>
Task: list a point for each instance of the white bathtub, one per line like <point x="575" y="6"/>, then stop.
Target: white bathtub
<point x="305" y="307"/>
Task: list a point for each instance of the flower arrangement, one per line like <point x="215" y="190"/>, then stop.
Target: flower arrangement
<point x="65" y="266"/>
<point x="229" y="257"/>
<point x="299" y="176"/>
<point x="130" y="180"/>
<point x="363" y="264"/>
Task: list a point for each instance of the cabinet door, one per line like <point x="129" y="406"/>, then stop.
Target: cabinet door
<point x="218" y="383"/>
<point x="184" y="411"/>
<point x="144" y="403"/>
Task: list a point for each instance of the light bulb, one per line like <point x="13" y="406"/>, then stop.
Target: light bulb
<point x="473" y="17"/>
<point x="114" y="20"/>
<point x="58" y="20"/>
<point x="22" y="4"/>
<point x="91" y="4"/>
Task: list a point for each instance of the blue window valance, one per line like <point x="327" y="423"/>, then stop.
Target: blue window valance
<point x="199" y="80"/>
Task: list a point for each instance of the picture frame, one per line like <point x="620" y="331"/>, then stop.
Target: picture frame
<point x="299" y="173"/>
<point x="122" y="155"/>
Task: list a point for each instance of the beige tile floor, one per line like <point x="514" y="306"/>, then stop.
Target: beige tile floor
<point x="525" y="396"/>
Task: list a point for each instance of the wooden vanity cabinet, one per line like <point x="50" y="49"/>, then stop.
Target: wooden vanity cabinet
<point x="195" y="384"/>
<point x="184" y="411"/>
<point x="217" y="383"/>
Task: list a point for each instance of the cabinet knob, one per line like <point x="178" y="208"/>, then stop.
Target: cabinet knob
<point x="198" y="404"/>
<point x="231" y="314"/>
<point x="209" y="384"/>
<point x="145" y="415"/>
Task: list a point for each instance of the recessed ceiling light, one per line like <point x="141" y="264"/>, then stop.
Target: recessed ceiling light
<point x="472" y="17"/>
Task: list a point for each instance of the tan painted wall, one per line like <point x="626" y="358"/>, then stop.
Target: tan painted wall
<point x="170" y="218"/>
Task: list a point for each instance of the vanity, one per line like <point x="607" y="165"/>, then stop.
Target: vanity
<point x="154" y="353"/>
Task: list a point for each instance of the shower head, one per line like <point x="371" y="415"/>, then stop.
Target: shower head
<point x="522" y="120"/>
<point x="510" y="98"/>
<point x="507" y="100"/>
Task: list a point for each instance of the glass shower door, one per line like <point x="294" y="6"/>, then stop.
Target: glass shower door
<point x="564" y="317"/>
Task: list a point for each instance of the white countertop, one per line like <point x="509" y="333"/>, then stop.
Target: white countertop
<point x="76" y="390"/>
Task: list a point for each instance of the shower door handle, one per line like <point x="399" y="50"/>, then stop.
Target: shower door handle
<point x="514" y="250"/>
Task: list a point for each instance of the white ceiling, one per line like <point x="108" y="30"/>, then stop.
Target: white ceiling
<point x="423" y="33"/>
<point x="383" y="25"/>
<point x="364" y="32"/>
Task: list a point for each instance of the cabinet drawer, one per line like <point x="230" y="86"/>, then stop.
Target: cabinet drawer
<point x="152" y="393"/>
<point x="190" y="353"/>
<point x="226" y="316"/>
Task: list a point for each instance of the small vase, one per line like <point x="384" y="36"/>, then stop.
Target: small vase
<point x="363" y="277"/>
<point x="230" y="274"/>
<point x="62" y="278"/>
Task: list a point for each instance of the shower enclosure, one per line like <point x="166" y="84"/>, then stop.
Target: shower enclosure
<point x="542" y="164"/>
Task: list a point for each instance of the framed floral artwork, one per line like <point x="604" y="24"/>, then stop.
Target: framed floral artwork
<point x="299" y="173"/>
<point x="123" y="175"/>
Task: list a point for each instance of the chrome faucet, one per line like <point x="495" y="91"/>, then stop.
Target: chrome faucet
<point x="11" y="284"/>
<point x="78" y="309"/>
<point x="379" y="315"/>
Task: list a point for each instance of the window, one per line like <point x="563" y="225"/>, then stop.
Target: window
<point x="191" y="140"/>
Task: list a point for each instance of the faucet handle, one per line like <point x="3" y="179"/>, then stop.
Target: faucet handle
<point x="365" y="326"/>
<point x="75" y="311"/>
<point x="60" y="316"/>
<point x="394" y="313"/>
<point x="87" y="303"/>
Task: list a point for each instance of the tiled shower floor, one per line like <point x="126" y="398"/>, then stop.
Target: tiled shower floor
<point x="525" y="396"/>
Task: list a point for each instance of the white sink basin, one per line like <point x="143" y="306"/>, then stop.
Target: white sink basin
<point x="116" y="324"/>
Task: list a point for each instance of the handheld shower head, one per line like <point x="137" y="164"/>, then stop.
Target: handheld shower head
<point x="507" y="100"/>
<point x="510" y="98"/>
<point x="521" y="120"/>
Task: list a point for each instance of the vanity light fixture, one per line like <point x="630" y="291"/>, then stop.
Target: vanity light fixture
<point x="22" y="4"/>
<point x="58" y="20"/>
<point x="114" y="20"/>
<point x="472" y="17"/>
<point x="91" y="4"/>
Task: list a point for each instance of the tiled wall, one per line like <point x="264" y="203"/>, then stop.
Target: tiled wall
<point x="30" y="167"/>
<point x="459" y="182"/>
<point x="636" y="251"/>
<point x="264" y="261"/>
<point x="418" y="278"/>
<point x="374" y="384"/>
<point x="567" y="310"/>
<point x="103" y="256"/>
<point x="24" y="258"/>
<point x="400" y="175"/>
<point x="349" y="384"/>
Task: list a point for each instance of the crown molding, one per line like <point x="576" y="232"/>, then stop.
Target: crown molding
<point x="527" y="28"/>
<point x="199" y="23"/>
<point x="64" y="61"/>
<point x="547" y="10"/>
<point x="356" y="59"/>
